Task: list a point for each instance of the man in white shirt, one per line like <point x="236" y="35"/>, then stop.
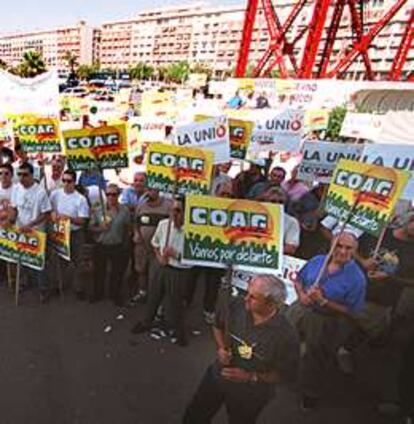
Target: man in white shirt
<point x="172" y="277"/>
<point x="6" y="189"/>
<point x="30" y="210"/>
<point x="68" y="203"/>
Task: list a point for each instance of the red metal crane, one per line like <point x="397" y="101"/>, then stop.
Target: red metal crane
<point x="317" y="59"/>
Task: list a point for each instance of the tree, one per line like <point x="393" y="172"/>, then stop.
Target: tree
<point x="72" y="61"/>
<point x="178" y="72"/>
<point x="31" y="65"/>
<point x="336" y="118"/>
<point x="141" y="71"/>
<point x="86" y="72"/>
<point x="202" y="68"/>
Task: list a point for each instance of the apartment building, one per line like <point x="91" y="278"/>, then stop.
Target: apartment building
<point x="193" y="32"/>
<point x="51" y="44"/>
<point x="197" y="32"/>
<point x="212" y="35"/>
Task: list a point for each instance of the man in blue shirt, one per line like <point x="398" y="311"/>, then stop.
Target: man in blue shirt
<point x="135" y="195"/>
<point x="321" y="313"/>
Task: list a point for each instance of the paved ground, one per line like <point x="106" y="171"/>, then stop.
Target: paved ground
<point x="58" y="366"/>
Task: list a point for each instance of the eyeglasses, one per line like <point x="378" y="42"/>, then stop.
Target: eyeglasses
<point x="23" y="174"/>
<point x="67" y="180"/>
<point x="112" y="194"/>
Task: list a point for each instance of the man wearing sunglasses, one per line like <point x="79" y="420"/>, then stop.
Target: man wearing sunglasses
<point x="69" y="203"/>
<point x="30" y="210"/>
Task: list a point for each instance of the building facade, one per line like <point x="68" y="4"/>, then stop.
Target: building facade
<point x="51" y="44"/>
<point x="198" y="33"/>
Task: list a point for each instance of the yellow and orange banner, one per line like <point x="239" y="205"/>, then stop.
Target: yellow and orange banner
<point x="104" y="147"/>
<point x="27" y="248"/>
<point x="243" y="233"/>
<point x="179" y="170"/>
<point x="364" y="195"/>
<point x="58" y="237"/>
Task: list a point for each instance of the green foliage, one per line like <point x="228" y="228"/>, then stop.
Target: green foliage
<point x="202" y="68"/>
<point x="178" y="72"/>
<point x="336" y="118"/>
<point x="141" y="71"/>
<point x="71" y="60"/>
<point x="86" y="72"/>
<point x="31" y="65"/>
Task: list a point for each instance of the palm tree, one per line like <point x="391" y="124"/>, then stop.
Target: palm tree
<point x="72" y="61"/>
<point x="178" y="72"/>
<point x="31" y="65"/>
<point x="141" y="71"/>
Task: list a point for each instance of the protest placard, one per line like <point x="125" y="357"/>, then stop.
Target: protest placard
<point x="27" y="248"/>
<point x="58" y="237"/>
<point x="149" y="129"/>
<point x="179" y="170"/>
<point x="220" y="231"/>
<point x="291" y="266"/>
<point x="320" y="158"/>
<point x="210" y="134"/>
<point x="361" y="125"/>
<point x="155" y="103"/>
<point x="364" y="195"/>
<point x="38" y="134"/>
<point x="240" y="135"/>
<point x="397" y="156"/>
<point x="89" y="148"/>
<point x="278" y="130"/>
<point x="316" y="119"/>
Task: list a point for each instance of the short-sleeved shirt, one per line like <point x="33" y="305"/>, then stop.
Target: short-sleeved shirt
<point x="176" y="241"/>
<point x="345" y="286"/>
<point x="146" y="219"/>
<point x="130" y="197"/>
<point x="118" y="231"/>
<point x="30" y="204"/>
<point x="274" y="343"/>
<point x="73" y="204"/>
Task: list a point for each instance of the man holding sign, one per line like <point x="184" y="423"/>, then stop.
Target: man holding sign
<point x="326" y="297"/>
<point x="30" y="209"/>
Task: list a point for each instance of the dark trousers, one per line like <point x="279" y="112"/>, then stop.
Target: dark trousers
<point x="117" y="257"/>
<point x="171" y="283"/>
<point x="243" y="401"/>
<point x="406" y="380"/>
<point x="212" y="280"/>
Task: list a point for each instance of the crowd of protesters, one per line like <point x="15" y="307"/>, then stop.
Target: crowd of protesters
<point x="132" y="238"/>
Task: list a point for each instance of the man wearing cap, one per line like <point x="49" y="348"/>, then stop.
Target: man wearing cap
<point x="262" y="350"/>
<point x="321" y="312"/>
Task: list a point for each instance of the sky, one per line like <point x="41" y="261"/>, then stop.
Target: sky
<point x="23" y="15"/>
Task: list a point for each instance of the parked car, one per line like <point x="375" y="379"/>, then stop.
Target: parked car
<point x="76" y="91"/>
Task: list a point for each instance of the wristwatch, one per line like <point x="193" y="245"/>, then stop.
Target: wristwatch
<point x="323" y="302"/>
<point x="254" y="378"/>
